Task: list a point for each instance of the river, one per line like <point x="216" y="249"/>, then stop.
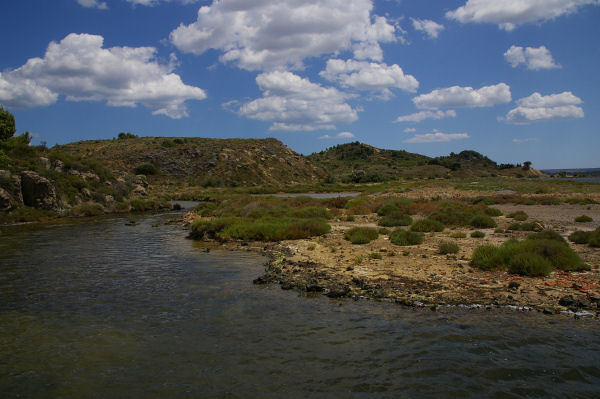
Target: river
<point x="99" y="309"/>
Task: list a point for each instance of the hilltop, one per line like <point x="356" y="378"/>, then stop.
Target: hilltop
<point x="360" y="163"/>
<point x="201" y="161"/>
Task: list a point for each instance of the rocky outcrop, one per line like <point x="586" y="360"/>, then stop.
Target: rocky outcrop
<point x="11" y="190"/>
<point x="5" y="200"/>
<point x="38" y="191"/>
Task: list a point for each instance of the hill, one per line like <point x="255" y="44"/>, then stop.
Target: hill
<point x="204" y="161"/>
<point x="360" y="163"/>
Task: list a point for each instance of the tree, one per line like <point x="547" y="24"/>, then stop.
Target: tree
<point x="7" y="124"/>
<point x="526" y="165"/>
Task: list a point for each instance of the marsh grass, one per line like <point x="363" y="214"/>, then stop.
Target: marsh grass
<point x="448" y="247"/>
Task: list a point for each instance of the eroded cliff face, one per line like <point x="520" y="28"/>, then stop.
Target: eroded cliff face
<point x="244" y="162"/>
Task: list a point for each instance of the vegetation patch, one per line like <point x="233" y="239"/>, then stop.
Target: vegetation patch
<point x="448" y="247"/>
<point x="458" y="234"/>
<point x="526" y="226"/>
<point x="427" y="225"/>
<point x="478" y="234"/>
<point x="404" y="237"/>
<point x="538" y="255"/>
<point x="395" y="219"/>
<point x="583" y="219"/>
<point x="520" y="216"/>
<point x="482" y="221"/>
<point x="361" y="235"/>
<point x="146" y="169"/>
<point x="592" y="238"/>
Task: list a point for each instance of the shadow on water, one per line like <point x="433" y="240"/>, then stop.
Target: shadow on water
<point x="107" y="310"/>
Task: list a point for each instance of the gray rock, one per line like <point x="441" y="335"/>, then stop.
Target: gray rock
<point x="5" y="200"/>
<point x="38" y="191"/>
<point x="45" y="162"/>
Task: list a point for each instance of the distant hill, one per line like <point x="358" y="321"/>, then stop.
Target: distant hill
<point x="206" y="161"/>
<point x="358" y="162"/>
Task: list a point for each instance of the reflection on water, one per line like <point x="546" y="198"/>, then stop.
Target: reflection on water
<point x="107" y="310"/>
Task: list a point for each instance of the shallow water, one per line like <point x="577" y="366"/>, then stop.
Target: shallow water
<point x="100" y="309"/>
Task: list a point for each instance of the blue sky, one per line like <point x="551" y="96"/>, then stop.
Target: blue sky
<point x="514" y="80"/>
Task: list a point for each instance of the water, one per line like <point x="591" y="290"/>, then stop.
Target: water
<point x="103" y="310"/>
<point x="578" y="179"/>
<point x="313" y="195"/>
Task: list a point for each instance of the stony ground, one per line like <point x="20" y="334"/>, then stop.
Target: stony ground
<point x="418" y="275"/>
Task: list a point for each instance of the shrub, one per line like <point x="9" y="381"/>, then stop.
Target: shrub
<point x="547" y="235"/>
<point x="478" y="234"/>
<point x="404" y="237"/>
<point x="492" y="212"/>
<point x="205" y="208"/>
<point x="529" y="226"/>
<point x="580" y="237"/>
<point x="146" y="169"/>
<point x="529" y="264"/>
<point x="487" y="257"/>
<point x="583" y="219"/>
<point x="426" y="225"/>
<point x="311" y="212"/>
<point x="337" y="202"/>
<point x="211" y="181"/>
<point x="448" y="247"/>
<point x="521" y="216"/>
<point x="395" y="219"/>
<point x="350" y="218"/>
<point x="361" y="235"/>
<point x="4" y="159"/>
<point x="88" y="210"/>
<point x="383" y="231"/>
<point x="387" y="209"/>
<point x="375" y="255"/>
<point x="499" y="231"/>
<point x="482" y="221"/>
<point x="458" y="234"/>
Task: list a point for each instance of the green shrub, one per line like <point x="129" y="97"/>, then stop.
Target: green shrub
<point x="499" y="231"/>
<point x="311" y="212"/>
<point x="521" y="216"/>
<point x="487" y="257"/>
<point x="387" y="209"/>
<point x="337" y="202"/>
<point x="361" y="235"/>
<point x="146" y="169"/>
<point x="211" y="181"/>
<point x="580" y="237"/>
<point x="375" y="255"/>
<point x="458" y="234"/>
<point x="492" y="212"/>
<point x="4" y="159"/>
<point x="529" y="264"/>
<point x="384" y="231"/>
<point x="404" y="237"/>
<point x="427" y="225"/>
<point x="547" y="235"/>
<point x="395" y="219"/>
<point x="478" y="234"/>
<point x="88" y="210"/>
<point x="448" y="247"/>
<point x="482" y="221"/>
<point x="583" y="219"/>
<point x="350" y="218"/>
<point x="529" y="226"/>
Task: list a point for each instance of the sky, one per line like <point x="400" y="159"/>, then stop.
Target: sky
<point x="516" y="80"/>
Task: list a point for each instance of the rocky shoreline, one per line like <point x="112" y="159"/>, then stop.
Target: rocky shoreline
<point x="418" y="276"/>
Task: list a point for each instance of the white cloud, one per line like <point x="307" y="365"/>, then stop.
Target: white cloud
<point x="436" y="137"/>
<point x="538" y="108"/>
<point x="507" y="14"/>
<point x="532" y="57"/>
<point x="152" y="3"/>
<point x="422" y="115"/>
<point x="341" y="135"/>
<point x="267" y="35"/>
<point x="293" y="103"/>
<point x="427" y="26"/>
<point x="410" y="130"/>
<point x="527" y="140"/>
<point x="371" y="76"/>
<point x="79" y="68"/>
<point x="93" y="4"/>
<point x="456" y="97"/>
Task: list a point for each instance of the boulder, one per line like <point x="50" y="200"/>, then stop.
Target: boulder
<point x="45" y="162"/>
<point x="5" y="202"/>
<point x="38" y="191"/>
<point x="12" y="186"/>
<point x="140" y="191"/>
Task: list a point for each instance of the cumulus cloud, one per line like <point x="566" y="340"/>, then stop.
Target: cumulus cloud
<point x="293" y="103"/>
<point x="457" y="97"/>
<point x="427" y="26"/>
<point x="508" y="14"/>
<point x="539" y="108"/>
<point x="93" y="4"/>
<point x="79" y="68"/>
<point x="152" y="3"/>
<point x="527" y="140"/>
<point x="422" y="115"/>
<point x="437" y="137"/>
<point x="269" y="35"/>
<point x="369" y="76"/>
<point x="341" y="135"/>
<point x="532" y="57"/>
<point x="410" y="130"/>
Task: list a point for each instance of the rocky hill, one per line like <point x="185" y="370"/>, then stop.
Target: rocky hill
<point x="204" y="161"/>
<point x="361" y="163"/>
